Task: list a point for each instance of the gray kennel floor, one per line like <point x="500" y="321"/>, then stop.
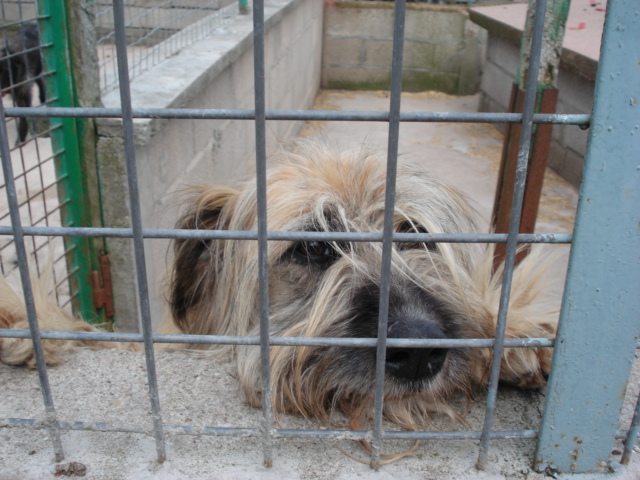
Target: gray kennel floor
<point x="109" y="386"/>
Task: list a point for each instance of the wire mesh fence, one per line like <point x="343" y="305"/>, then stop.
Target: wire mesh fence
<point x="155" y="30"/>
<point x="22" y="232"/>
<point x="22" y="78"/>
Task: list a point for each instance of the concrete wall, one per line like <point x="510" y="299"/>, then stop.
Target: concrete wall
<point x="443" y="49"/>
<point x="214" y="73"/>
<point x="576" y="90"/>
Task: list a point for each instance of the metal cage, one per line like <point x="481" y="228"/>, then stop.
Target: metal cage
<point x="602" y="281"/>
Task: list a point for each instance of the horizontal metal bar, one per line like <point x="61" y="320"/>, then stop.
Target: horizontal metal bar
<point x="405" y="435"/>
<point x="319" y="115"/>
<point x="283" y="341"/>
<point x="277" y="432"/>
<point x="555" y="238"/>
<point x="10" y="25"/>
<point x="87" y="426"/>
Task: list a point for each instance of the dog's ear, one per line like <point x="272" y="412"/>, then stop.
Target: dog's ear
<point x="194" y="265"/>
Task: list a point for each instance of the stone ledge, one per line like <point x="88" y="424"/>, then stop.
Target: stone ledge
<point x="581" y="46"/>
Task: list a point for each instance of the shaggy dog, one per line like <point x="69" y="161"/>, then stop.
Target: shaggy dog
<point x="17" y="69"/>
<point x="331" y="289"/>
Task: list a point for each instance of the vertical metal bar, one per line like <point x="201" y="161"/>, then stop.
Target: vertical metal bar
<point x="632" y="436"/>
<point x="601" y="302"/>
<point x="514" y="226"/>
<point x="261" y="179"/>
<point x="387" y="243"/>
<point x="136" y="219"/>
<point x="23" y="265"/>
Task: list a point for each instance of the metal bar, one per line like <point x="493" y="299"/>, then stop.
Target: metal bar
<point x="136" y="219"/>
<point x="407" y="435"/>
<point x="341" y="115"/>
<point x="261" y="180"/>
<point x="387" y="240"/>
<point x="284" y="341"/>
<point x="277" y="432"/>
<point x="106" y="427"/>
<point x="541" y="141"/>
<point x="552" y="238"/>
<point x="263" y="235"/>
<point x="16" y="227"/>
<point x="632" y="436"/>
<point x="514" y="226"/>
<point x="601" y="302"/>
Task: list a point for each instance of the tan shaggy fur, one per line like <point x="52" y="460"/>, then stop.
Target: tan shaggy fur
<point x="331" y="289"/>
<point x="13" y="314"/>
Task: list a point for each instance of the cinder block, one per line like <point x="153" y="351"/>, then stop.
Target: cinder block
<point x="365" y="21"/>
<point x="430" y="25"/>
<point x="504" y="54"/>
<point x="418" y="54"/>
<point x="356" y="78"/>
<point x="575" y="91"/>
<point x="566" y="163"/>
<point x="575" y="138"/>
<point x="496" y="85"/>
<point x="377" y="53"/>
<point x="420" y="81"/>
<point x="446" y="57"/>
<point x="557" y="153"/>
<point x="474" y="33"/>
<point x="342" y="51"/>
<point x="470" y="69"/>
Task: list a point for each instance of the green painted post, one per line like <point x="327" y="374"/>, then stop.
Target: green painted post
<point x="554" y="27"/>
<point x="75" y="177"/>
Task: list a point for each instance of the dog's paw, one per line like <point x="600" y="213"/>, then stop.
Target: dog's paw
<point x="526" y="367"/>
<point x="18" y="351"/>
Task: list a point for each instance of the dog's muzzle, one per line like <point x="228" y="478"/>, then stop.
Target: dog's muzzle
<point x="415" y="364"/>
<point x="413" y="314"/>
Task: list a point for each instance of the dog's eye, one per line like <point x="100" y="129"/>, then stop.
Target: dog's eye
<point x="315" y="251"/>
<point x="408" y="227"/>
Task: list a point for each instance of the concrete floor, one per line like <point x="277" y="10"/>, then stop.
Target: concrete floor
<point x="109" y="386"/>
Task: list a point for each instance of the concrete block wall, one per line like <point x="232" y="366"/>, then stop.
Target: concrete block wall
<point x="216" y="72"/>
<point x="443" y="49"/>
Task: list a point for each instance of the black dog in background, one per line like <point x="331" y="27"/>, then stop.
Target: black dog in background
<point x="20" y="65"/>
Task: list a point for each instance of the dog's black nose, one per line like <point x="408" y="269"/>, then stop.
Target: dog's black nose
<point x="415" y="363"/>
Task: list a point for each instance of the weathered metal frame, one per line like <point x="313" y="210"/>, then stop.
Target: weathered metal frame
<point x="599" y="322"/>
<point x="621" y="253"/>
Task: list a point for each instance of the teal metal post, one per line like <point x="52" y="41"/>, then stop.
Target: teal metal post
<point x="600" y="319"/>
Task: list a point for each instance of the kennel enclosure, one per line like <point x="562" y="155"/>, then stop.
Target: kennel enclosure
<point x="600" y="304"/>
